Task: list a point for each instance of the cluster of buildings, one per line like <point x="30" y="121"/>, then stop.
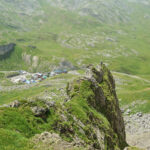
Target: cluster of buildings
<point x="29" y="78"/>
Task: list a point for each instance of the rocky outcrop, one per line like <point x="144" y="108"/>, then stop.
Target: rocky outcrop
<point x="39" y="111"/>
<point x="42" y="111"/>
<point x="103" y="98"/>
<point x="5" y="50"/>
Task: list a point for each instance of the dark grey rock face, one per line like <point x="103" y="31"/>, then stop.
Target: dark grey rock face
<point x="5" y="50"/>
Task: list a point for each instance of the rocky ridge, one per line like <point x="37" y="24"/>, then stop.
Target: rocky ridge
<point x="104" y="99"/>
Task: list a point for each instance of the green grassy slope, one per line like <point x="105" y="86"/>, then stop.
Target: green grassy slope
<point x="82" y="40"/>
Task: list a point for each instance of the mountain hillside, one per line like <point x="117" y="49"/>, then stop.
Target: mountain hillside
<point x="46" y="43"/>
<point x="105" y="11"/>
<point x="80" y="32"/>
<point x="16" y="14"/>
<point x="85" y="116"/>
